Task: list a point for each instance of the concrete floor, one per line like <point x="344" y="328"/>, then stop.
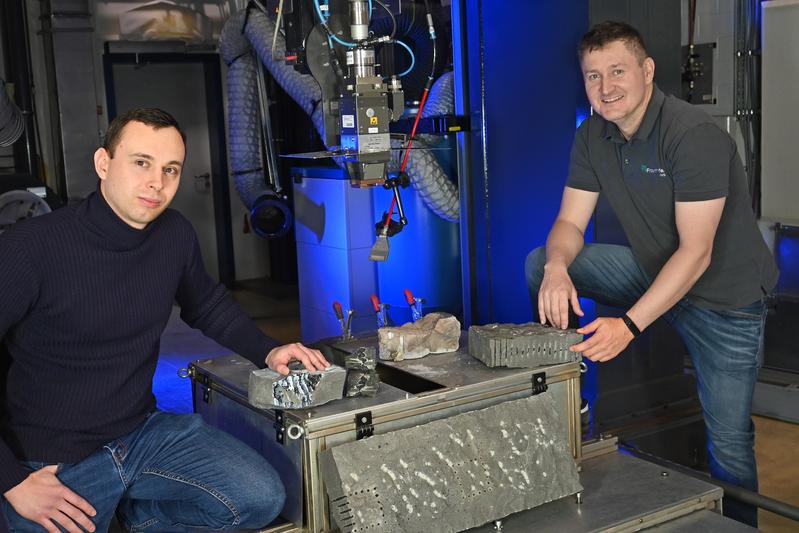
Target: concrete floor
<point x="275" y="310"/>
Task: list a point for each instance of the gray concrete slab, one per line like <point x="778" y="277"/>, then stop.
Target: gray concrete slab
<point x="452" y="474"/>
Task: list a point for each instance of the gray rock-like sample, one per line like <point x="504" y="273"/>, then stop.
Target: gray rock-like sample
<point x="300" y="389"/>
<point x="522" y="345"/>
<point x="362" y="378"/>
<point x="363" y="358"/>
<point x="433" y="333"/>
<point x="452" y="474"/>
<point x="361" y="383"/>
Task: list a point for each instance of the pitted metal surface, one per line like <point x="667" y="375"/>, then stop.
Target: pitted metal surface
<point x="300" y="389"/>
<point x="522" y="345"/>
<point x="456" y="473"/>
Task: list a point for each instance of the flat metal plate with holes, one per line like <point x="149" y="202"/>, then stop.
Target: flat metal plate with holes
<point x="620" y="493"/>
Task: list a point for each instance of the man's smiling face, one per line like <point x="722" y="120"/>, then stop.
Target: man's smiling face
<point x="618" y="84"/>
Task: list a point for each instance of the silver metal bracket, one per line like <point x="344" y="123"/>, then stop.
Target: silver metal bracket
<point x="363" y="425"/>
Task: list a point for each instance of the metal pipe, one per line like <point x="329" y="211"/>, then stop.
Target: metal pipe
<point x="267" y="136"/>
<point x="739" y="493"/>
<point x="362" y="61"/>
<point x="359" y="20"/>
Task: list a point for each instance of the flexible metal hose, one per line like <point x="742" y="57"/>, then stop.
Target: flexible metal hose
<point x="11" y="123"/>
<point x="244" y="32"/>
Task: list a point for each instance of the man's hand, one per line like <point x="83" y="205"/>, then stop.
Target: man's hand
<point x="279" y="358"/>
<point x="610" y="337"/>
<point x="43" y="499"/>
<point x="554" y="296"/>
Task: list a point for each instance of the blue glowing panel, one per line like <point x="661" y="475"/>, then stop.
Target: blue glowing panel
<point x="581" y="114"/>
<point x="589" y="381"/>
<point x="424" y="258"/>
<point x="334" y="232"/>
<point x="787" y="256"/>
<point x="524" y="87"/>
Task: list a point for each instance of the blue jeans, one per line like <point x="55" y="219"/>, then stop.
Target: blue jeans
<point x="172" y="473"/>
<point x="725" y="347"/>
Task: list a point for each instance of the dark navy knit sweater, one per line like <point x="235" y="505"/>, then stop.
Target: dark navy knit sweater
<point x="84" y="299"/>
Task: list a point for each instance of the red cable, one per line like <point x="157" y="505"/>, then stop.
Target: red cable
<point x="413" y="130"/>
<point x="408" y="148"/>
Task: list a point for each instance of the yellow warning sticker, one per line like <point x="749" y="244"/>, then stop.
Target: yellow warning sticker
<point x="373" y="121"/>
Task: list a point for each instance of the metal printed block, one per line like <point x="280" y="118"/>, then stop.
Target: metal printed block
<point x="522" y="345"/>
<point x="300" y="389"/>
<point x="455" y="473"/>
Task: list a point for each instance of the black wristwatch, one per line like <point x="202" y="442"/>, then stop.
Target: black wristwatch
<point x="631" y="325"/>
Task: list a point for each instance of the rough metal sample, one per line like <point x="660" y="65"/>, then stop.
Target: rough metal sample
<point x="361" y="383"/>
<point x="363" y="358"/>
<point x="452" y="474"/>
<point x="522" y="345"/>
<point x="362" y="378"/>
<point x="433" y="333"/>
<point x="300" y="389"/>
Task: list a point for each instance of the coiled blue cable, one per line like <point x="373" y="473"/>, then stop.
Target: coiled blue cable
<point x="332" y="36"/>
<point x="413" y="57"/>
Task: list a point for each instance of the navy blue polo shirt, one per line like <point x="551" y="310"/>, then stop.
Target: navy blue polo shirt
<point x="678" y="154"/>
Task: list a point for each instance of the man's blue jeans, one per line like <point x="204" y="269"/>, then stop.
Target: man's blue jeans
<point x="172" y="473"/>
<point x="725" y="347"/>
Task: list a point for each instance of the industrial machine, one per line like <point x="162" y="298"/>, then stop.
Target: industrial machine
<point x="329" y="63"/>
<point x="345" y="76"/>
<point x="357" y="100"/>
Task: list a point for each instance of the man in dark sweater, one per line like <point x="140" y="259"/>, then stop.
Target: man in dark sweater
<point x="85" y="293"/>
<point x="696" y="256"/>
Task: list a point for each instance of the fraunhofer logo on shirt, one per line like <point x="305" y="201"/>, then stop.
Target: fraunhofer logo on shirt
<point x="648" y="170"/>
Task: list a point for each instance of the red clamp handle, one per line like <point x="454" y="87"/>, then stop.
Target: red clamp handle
<point x="409" y="297"/>
<point x="337" y="310"/>
<point x="375" y="303"/>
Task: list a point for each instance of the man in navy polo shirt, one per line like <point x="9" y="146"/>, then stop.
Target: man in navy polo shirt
<point x="696" y="256"/>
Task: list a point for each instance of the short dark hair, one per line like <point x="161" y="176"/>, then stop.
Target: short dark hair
<point x="609" y="31"/>
<point x="151" y="116"/>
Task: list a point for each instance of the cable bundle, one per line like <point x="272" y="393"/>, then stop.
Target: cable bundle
<point x="11" y="122"/>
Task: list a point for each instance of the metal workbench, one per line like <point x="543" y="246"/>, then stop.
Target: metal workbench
<point x="624" y="493"/>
